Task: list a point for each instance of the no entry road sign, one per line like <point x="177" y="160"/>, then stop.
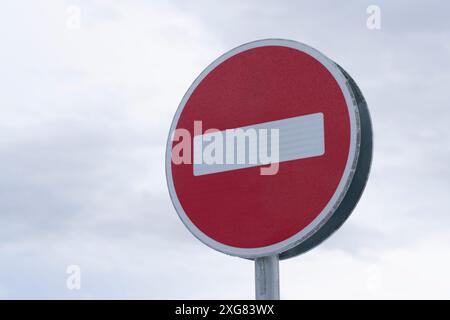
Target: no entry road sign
<point x="269" y="150"/>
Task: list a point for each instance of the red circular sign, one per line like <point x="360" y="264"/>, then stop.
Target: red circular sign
<point x="265" y="84"/>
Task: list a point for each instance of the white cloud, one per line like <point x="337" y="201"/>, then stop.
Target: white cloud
<point x="413" y="272"/>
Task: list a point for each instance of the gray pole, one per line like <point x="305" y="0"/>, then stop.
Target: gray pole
<point x="267" y="283"/>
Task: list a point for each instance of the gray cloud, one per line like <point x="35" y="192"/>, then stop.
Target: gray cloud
<point x="84" y="116"/>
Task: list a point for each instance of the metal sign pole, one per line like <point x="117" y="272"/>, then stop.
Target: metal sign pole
<point x="267" y="278"/>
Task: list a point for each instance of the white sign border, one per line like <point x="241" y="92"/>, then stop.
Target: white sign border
<point x="340" y="191"/>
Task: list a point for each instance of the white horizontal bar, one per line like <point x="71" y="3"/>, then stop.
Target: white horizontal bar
<point x="299" y="137"/>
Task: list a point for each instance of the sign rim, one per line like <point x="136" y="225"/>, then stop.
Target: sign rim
<point x="340" y="191"/>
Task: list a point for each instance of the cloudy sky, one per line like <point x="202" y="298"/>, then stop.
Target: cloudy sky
<point x="88" y="91"/>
